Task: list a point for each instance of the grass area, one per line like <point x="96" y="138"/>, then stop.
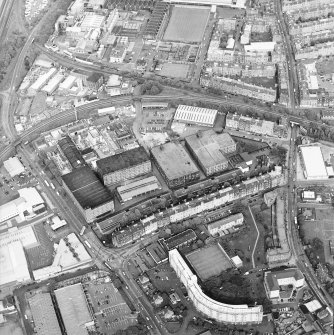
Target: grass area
<point x="208" y="262"/>
<point x="260" y="81"/>
<point x="325" y="66"/>
<point x="174" y="70"/>
<point x="187" y="24"/>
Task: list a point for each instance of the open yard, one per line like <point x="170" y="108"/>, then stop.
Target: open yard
<point x="208" y="262"/>
<point x="187" y="24"/>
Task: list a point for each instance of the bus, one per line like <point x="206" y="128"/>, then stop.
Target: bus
<point x="52" y="186"/>
<point x="107" y="265"/>
<point x="47" y="184"/>
<point x="88" y="244"/>
<point x="82" y="230"/>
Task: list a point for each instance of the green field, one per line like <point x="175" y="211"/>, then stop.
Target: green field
<point x="187" y="24"/>
<point x="209" y="261"/>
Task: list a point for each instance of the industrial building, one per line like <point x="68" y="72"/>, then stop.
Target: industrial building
<point x="13" y="166"/>
<point x="195" y="115"/>
<point x="175" y="164"/>
<point x="209" y="150"/>
<point x="53" y="84"/>
<point x="41" y="81"/>
<point x="274" y="282"/>
<point x="222" y="226"/>
<point x="233" y="314"/>
<point x="138" y="188"/>
<point x="313" y="162"/>
<point x="126" y="165"/>
<point x="44" y="314"/>
<point x="26" y="206"/>
<point x="88" y="193"/>
<point x="71" y="152"/>
<point x="74" y="309"/>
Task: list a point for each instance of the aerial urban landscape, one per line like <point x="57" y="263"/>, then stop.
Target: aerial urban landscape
<point x="166" y="167"/>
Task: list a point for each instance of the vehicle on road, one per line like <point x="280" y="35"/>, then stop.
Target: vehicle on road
<point x="88" y="244"/>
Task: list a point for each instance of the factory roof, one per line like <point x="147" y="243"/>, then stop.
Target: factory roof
<point x="71" y="152"/>
<point x="123" y="160"/>
<point x="44" y="315"/>
<point x="313" y="161"/>
<point x="74" y="309"/>
<point x="209" y="147"/>
<point x="86" y="187"/>
<point x="196" y="115"/>
<point x="174" y="160"/>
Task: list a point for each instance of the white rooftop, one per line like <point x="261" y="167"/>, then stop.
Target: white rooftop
<point x="260" y="46"/>
<point x="313" y="305"/>
<point x="197" y="115"/>
<point x="25" y="236"/>
<point x="13" y="166"/>
<point x="313" y="162"/>
<point x="13" y="264"/>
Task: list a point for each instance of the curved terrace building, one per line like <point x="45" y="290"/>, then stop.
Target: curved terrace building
<point x="235" y="314"/>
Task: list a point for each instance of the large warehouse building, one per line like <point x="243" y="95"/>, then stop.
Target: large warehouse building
<point x="234" y="314"/>
<point x="222" y="226"/>
<point x="44" y="314"/>
<point x="74" y="309"/>
<point x="209" y="150"/>
<point x="195" y="115"/>
<point x="175" y="164"/>
<point x="13" y="166"/>
<point x="88" y="193"/>
<point x="313" y="162"/>
<point x="126" y="165"/>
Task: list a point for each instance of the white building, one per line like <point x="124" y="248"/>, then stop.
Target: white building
<point x="23" y="206"/>
<point x="41" y="81"/>
<point x="221" y="226"/>
<point x="13" y="166"/>
<point x="13" y="264"/>
<point x="70" y="255"/>
<point x="313" y="162"/>
<point x="234" y="314"/>
<point x="92" y="21"/>
<point x="195" y="115"/>
<point x="274" y="280"/>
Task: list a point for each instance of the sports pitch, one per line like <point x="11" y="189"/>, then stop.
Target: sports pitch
<point x="208" y="262"/>
<point x="187" y="24"/>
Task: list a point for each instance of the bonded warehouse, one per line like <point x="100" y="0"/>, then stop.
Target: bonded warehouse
<point x="126" y="165"/>
<point x="175" y="164"/>
<point x="209" y="150"/>
<point x="92" y="198"/>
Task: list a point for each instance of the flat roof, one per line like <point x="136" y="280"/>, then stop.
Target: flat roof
<point x="86" y="187"/>
<point x="123" y="160"/>
<point x="73" y="308"/>
<point x="44" y="314"/>
<point x="13" y="264"/>
<point x="13" y="166"/>
<point x="228" y="3"/>
<point x="272" y="278"/>
<point x="209" y="147"/>
<point x="174" y="160"/>
<point x="313" y="162"/>
<point x="197" y="115"/>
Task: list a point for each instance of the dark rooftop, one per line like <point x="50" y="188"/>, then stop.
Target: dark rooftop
<point x="176" y="240"/>
<point x="122" y="161"/>
<point x="94" y="77"/>
<point x="86" y="187"/>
